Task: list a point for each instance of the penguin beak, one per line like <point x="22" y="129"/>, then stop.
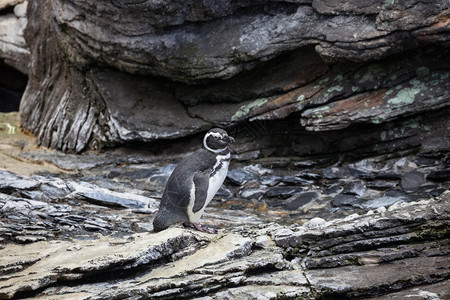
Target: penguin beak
<point x="228" y="139"/>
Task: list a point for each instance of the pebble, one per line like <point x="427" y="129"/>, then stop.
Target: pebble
<point x="412" y="181"/>
<point x="381" y="209"/>
<point x="263" y="241"/>
<point x="315" y="223"/>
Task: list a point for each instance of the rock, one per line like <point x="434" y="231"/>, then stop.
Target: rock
<point x="381" y="184"/>
<point x="295" y="180"/>
<point x="345" y="200"/>
<point x="403" y="165"/>
<point x="6" y="3"/>
<point x="350" y="200"/>
<point x="349" y="253"/>
<point x="270" y="180"/>
<point x="432" y="291"/>
<point x="357" y="188"/>
<point x="283" y="192"/>
<point x="142" y="174"/>
<point x="248" y="259"/>
<point x="161" y="177"/>
<point x="164" y="77"/>
<point x="10" y="181"/>
<point x="240" y="176"/>
<point x="70" y="162"/>
<point x="363" y="280"/>
<point x="423" y="161"/>
<point x="439" y="175"/>
<point x="297" y="21"/>
<point x="256" y="194"/>
<point x="335" y="173"/>
<point x="377" y="107"/>
<point x="263" y="241"/>
<point x="13" y="48"/>
<point x="51" y="263"/>
<point x="301" y="200"/>
<point x="315" y="222"/>
<point x="223" y="193"/>
<point x="53" y="191"/>
<point x="380" y="202"/>
<point x="412" y="180"/>
<point x="106" y="197"/>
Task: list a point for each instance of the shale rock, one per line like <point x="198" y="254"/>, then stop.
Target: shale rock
<point x="193" y="66"/>
<point x="13" y="48"/>
<point x="81" y="227"/>
<point x="253" y="261"/>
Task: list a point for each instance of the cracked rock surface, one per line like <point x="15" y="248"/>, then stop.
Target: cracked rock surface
<point x="79" y="227"/>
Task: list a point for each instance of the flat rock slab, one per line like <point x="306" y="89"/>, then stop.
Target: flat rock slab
<point x="42" y="264"/>
<point x="369" y="280"/>
<point x="358" y="256"/>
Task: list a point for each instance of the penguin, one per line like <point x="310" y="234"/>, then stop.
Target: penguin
<point x="194" y="182"/>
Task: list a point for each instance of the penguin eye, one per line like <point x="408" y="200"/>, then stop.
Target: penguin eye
<point x="216" y="137"/>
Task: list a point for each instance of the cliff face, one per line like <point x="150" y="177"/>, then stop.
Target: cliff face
<point x="104" y="74"/>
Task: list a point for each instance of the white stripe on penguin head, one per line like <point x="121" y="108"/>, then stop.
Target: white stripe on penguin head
<point x="216" y="134"/>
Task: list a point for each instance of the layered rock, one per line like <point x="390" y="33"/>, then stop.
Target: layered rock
<point x="407" y="245"/>
<point x="14" y="54"/>
<point x="13" y="49"/>
<point x="81" y="227"/>
<point x="100" y="79"/>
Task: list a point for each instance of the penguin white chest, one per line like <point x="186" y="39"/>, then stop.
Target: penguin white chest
<point x="216" y="179"/>
<point x="219" y="174"/>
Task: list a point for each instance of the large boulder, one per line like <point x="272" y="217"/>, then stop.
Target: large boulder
<point x="118" y="72"/>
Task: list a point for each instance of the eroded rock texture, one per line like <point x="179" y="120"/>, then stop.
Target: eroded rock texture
<point x="118" y="72"/>
<point x="79" y="226"/>
<point x="14" y="53"/>
<point x="354" y="257"/>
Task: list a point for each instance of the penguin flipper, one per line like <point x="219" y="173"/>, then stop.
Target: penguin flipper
<point x="201" y="183"/>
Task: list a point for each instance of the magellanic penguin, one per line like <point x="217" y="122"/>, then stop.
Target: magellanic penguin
<point x="194" y="182"/>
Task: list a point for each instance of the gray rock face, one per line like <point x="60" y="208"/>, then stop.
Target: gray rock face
<point x="99" y="80"/>
<point x="13" y="48"/>
<point x="171" y="43"/>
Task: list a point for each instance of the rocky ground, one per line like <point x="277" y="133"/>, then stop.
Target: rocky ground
<point x="79" y="226"/>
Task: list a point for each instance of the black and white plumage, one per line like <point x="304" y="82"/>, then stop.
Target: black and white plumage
<point x="194" y="182"/>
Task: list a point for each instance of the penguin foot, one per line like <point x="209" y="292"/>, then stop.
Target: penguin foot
<point x="199" y="227"/>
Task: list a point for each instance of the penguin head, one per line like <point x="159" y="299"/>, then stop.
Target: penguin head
<point x="217" y="140"/>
